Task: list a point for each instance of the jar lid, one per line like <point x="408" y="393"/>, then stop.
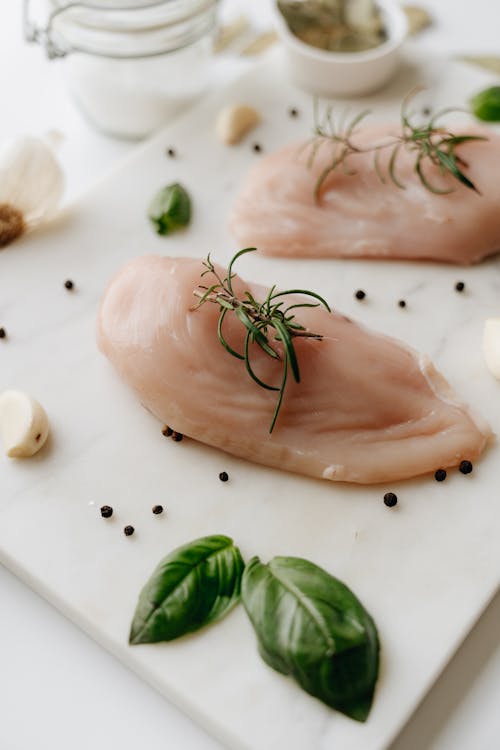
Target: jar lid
<point x="112" y="4"/>
<point x="125" y="28"/>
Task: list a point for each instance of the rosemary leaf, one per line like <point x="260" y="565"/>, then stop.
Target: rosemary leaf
<point x="220" y="334"/>
<point x="250" y="370"/>
<point x="280" y="396"/>
<point x="392" y="167"/>
<point x="430" y="144"/>
<point x="285" y="335"/>
<point x="302" y="291"/>
<point x="262" y="321"/>
<point x="449" y="163"/>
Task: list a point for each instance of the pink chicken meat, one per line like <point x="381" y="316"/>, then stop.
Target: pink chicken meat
<point x="368" y="409"/>
<point x="358" y="216"/>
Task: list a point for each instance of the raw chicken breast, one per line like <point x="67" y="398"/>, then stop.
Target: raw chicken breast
<point x="368" y="408"/>
<point x="358" y="216"/>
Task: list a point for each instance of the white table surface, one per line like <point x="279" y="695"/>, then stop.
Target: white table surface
<point x="60" y="690"/>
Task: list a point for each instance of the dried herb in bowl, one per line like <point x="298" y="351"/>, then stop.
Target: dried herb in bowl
<point x="335" y="25"/>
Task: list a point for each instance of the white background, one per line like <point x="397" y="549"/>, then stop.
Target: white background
<point x="58" y="689"/>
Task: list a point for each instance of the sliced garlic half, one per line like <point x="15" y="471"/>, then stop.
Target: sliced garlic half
<point x="24" y="425"/>
<point x="31" y="186"/>
<point x="491" y="345"/>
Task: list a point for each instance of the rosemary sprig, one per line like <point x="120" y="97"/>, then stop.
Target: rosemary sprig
<point x="429" y="143"/>
<point x="265" y="322"/>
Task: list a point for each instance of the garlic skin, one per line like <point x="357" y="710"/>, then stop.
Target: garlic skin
<point x="31" y="186"/>
<point x="24" y="425"/>
<point x="491" y="346"/>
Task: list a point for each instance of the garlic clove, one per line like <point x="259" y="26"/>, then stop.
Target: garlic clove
<point x="491" y="345"/>
<point x="24" y="425"/>
<point x="234" y="122"/>
<point x="31" y="180"/>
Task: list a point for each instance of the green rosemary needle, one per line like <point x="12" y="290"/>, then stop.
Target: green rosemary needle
<point x="265" y="323"/>
<point x="429" y="143"/>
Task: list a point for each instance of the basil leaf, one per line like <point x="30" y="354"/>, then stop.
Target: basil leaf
<point x="194" y="585"/>
<point x="486" y="104"/>
<point x="170" y="209"/>
<point x="311" y="626"/>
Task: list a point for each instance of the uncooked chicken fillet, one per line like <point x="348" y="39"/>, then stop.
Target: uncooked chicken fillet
<point x="368" y="409"/>
<point x="358" y="216"/>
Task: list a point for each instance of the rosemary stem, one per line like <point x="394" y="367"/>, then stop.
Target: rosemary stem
<point x="264" y="323"/>
<point x="428" y="143"/>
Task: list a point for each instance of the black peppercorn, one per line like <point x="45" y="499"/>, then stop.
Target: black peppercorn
<point x="293" y="112"/>
<point x="128" y="530"/>
<point x="157" y="509"/>
<point x="360" y="294"/>
<point x="223" y="476"/>
<point x="167" y="431"/>
<point x="3" y="333"/>
<point x="106" y="511"/>
<point x="171" y="153"/>
<point x="390" y="499"/>
<point x="177" y="436"/>
<point x="402" y="303"/>
<point x="440" y="475"/>
<point x="465" y="467"/>
<point x="68" y="284"/>
<point x="257" y="148"/>
<point x="459" y="286"/>
<point x="426" y="111"/>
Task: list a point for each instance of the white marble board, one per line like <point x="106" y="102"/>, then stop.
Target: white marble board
<point x="425" y="570"/>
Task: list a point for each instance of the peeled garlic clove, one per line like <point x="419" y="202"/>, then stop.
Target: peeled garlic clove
<point x="24" y="425"/>
<point x="491" y="345"/>
<point x="234" y="122"/>
<point x="31" y="186"/>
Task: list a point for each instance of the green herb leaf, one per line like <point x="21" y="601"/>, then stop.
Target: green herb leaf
<point x="486" y="104"/>
<point x="194" y="585"/>
<point x="449" y="163"/>
<point x="429" y="144"/>
<point x="311" y="626"/>
<point x="170" y="209"/>
<point x="259" y="319"/>
<point x="334" y="25"/>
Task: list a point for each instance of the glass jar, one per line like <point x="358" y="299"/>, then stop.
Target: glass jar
<point x="132" y="64"/>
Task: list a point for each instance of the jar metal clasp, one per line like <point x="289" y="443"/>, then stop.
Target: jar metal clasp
<point x="43" y="35"/>
<point x="47" y="36"/>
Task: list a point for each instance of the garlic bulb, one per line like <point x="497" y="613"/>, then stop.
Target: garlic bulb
<point x="31" y="186"/>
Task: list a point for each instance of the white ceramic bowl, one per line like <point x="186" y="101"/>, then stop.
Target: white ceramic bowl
<point x="345" y="74"/>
